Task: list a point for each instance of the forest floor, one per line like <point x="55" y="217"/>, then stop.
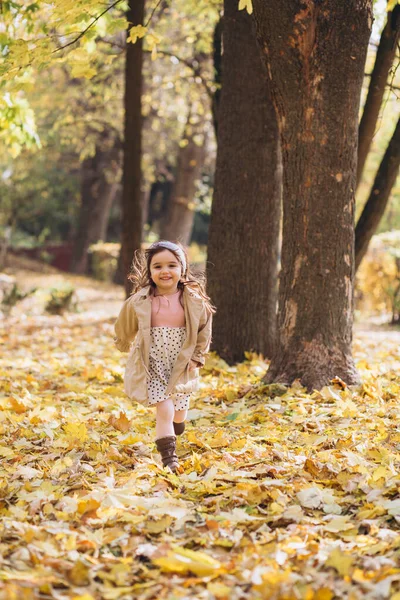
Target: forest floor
<point x="282" y="494"/>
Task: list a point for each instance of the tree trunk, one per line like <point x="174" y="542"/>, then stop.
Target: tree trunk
<point x="178" y="224"/>
<point x="217" y="62"/>
<point x="97" y="195"/>
<point x="94" y="192"/>
<point x="244" y="226"/>
<point x="379" y="196"/>
<point x="4" y="245"/>
<point x="315" y="55"/>
<point x="131" y="234"/>
<point x="110" y="196"/>
<point x="383" y="62"/>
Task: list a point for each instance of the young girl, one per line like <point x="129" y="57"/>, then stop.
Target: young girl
<point x="169" y="319"/>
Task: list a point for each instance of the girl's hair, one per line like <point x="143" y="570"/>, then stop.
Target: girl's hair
<point x="140" y="274"/>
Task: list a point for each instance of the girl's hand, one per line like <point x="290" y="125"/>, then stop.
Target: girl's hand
<point x="193" y="365"/>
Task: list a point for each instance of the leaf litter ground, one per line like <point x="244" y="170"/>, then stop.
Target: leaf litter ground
<point x="282" y="495"/>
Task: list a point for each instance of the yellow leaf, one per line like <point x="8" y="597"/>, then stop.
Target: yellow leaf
<point x="323" y="594"/>
<point x="6" y="452"/>
<point x="135" y="33"/>
<point x="381" y="472"/>
<point x="79" y="574"/>
<point x="82" y="70"/>
<point x="130" y="439"/>
<point x="193" y="439"/>
<point x="18" y="405"/>
<point x="122" y="423"/>
<point x="160" y="525"/>
<point x="180" y="560"/>
<point x="76" y="431"/>
<point x="340" y="561"/>
<point x="231" y="395"/>
<point x="87" y="505"/>
<point x="275" y="508"/>
<point x="114" y="392"/>
<point x="247" y="4"/>
<point x="219" y="440"/>
<point x="220" y="590"/>
<point x="340" y="523"/>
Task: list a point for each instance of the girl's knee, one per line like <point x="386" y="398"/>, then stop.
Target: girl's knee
<point x="165" y="409"/>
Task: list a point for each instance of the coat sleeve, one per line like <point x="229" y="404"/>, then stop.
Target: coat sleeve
<point x="203" y="337"/>
<point x="126" y="326"/>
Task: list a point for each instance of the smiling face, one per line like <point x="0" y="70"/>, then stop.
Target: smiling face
<point x="165" y="271"/>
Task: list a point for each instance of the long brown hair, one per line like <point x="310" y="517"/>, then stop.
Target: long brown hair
<point x="140" y="273"/>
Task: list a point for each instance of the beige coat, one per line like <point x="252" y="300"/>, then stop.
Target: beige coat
<point x="133" y="325"/>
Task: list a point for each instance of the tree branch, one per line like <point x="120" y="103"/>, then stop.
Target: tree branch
<point x="152" y="13"/>
<point x="188" y="63"/>
<point x="88" y="27"/>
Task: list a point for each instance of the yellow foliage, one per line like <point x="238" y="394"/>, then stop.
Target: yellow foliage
<point x="281" y="495"/>
<point x="378" y="276"/>
<point x="180" y="560"/>
<point x="135" y="33"/>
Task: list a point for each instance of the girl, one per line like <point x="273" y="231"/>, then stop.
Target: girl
<point x="169" y="319"/>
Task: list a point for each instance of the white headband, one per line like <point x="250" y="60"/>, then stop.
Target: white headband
<point x="175" y="248"/>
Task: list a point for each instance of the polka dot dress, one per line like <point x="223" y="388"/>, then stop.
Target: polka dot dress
<point x="165" y="345"/>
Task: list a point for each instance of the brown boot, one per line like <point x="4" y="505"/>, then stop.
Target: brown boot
<point x="167" y="448"/>
<point x="179" y="428"/>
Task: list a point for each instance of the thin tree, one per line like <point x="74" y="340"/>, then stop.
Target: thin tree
<point x="99" y="184"/>
<point x="244" y="228"/>
<point x="384" y="60"/>
<point x="315" y="54"/>
<point x="380" y="193"/>
<point x="131" y="233"/>
<point x="178" y="222"/>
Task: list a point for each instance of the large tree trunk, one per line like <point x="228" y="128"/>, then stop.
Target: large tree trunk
<point x="315" y="54"/>
<point x="383" y="62"/>
<point x="379" y="196"/>
<point x="178" y="223"/>
<point x="96" y="200"/>
<point x="217" y="62"/>
<point x="244" y="227"/>
<point x="131" y="234"/>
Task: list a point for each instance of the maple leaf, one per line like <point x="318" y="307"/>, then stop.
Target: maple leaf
<point x="122" y="423"/>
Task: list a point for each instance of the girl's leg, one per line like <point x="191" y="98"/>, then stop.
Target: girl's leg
<point x="165" y="434"/>
<point x="164" y="418"/>
<point x="180" y="416"/>
<point x="181" y="405"/>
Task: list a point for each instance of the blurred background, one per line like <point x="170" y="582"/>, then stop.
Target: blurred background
<point x="61" y="139"/>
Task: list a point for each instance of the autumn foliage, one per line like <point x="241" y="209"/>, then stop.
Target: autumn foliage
<point x="282" y="494"/>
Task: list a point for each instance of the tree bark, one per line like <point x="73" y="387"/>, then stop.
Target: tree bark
<point x="380" y="193"/>
<point x="178" y="223"/>
<point x="217" y="62"/>
<point x="131" y="233"/>
<point x="244" y="226"/>
<point x="315" y="55"/>
<point x="383" y="62"/>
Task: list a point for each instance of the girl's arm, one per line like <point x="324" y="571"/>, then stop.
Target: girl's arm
<point x="126" y="326"/>
<point x="203" y="338"/>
